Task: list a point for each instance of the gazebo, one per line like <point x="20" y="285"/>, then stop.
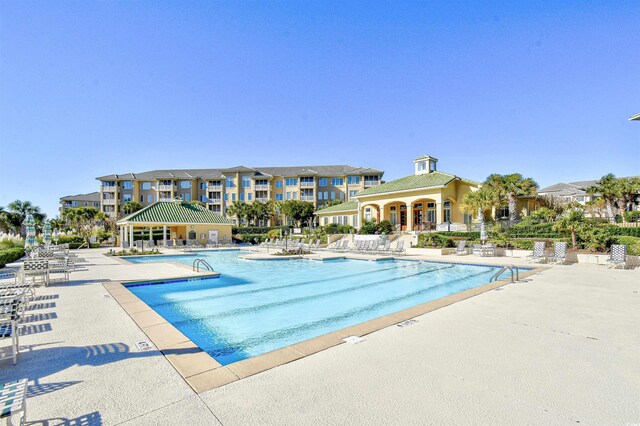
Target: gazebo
<point x="178" y="221"/>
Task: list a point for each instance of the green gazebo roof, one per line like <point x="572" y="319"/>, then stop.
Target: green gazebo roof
<point x="343" y="207"/>
<point x="413" y="182"/>
<point x="174" y="212"/>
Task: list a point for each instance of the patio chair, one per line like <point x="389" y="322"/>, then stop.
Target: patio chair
<point x="539" y="252"/>
<point x="384" y="248"/>
<point x="399" y="248"/>
<point x="462" y="248"/>
<point x="63" y="267"/>
<point x="476" y="249"/>
<point x="489" y="250"/>
<point x="125" y="245"/>
<point x="9" y="318"/>
<point x="344" y="246"/>
<point x="35" y="268"/>
<point x="618" y="256"/>
<point x="13" y="401"/>
<point x="559" y="252"/>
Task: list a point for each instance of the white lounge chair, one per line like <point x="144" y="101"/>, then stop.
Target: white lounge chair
<point x="618" y="256"/>
<point x="559" y="252"/>
<point x="539" y="252"/>
<point x="462" y="249"/>
<point x="399" y="248"/>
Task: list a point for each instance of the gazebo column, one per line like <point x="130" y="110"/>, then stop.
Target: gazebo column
<point x="130" y="236"/>
<point x="151" y="233"/>
<point x="164" y="235"/>
<point x="121" y="237"/>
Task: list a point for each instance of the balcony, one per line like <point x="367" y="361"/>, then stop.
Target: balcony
<point x="214" y="188"/>
<point x="165" y="199"/>
<point x="165" y="187"/>
<point x="307" y="198"/>
<point x="261" y="187"/>
<point x="109" y="201"/>
<point x="215" y="201"/>
<point x="369" y="183"/>
<point x="109" y="188"/>
<point x="262" y="199"/>
<point x="307" y="184"/>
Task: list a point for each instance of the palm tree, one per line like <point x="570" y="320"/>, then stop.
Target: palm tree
<point x="510" y="187"/>
<point x="628" y="191"/>
<point x="609" y="188"/>
<point x="239" y="209"/>
<point x="20" y="210"/>
<point x="570" y="221"/>
<point x="131" y="207"/>
<point x="478" y="202"/>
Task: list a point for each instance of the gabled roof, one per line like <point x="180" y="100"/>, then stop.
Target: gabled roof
<point x="238" y="169"/>
<point x="406" y="183"/>
<point x="92" y="196"/>
<point x="344" y="207"/>
<point x="174" y="212"/>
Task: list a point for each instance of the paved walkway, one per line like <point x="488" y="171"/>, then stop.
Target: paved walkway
<point x="562" y="347"/>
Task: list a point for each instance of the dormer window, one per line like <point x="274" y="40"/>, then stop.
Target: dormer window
<point x="432" y="166"/>
<point x="422" y="166"/>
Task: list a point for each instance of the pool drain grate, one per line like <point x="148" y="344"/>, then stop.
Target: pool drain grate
<point x="354" y="339"/>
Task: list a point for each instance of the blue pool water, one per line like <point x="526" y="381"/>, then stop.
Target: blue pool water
<point x="259" y="306"/>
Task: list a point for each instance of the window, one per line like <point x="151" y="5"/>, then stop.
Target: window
<point x="291" y="182"/>
<point x="127" y="184"/>
<point x="203" y="185"/>
<point x="203" y="198"/>
<point x="341" y="195"/>
<point x="246" y="182"/>
<point x="447" y="211"/>
<point x="288" y="195"/>
<point x="216" y="208"/>
<point x="432" y="166"/>
<point x="230" y="182"/>
<point x="278" y="197"/>
<point x="353" y="192"/>
<point x="185" y="184"/>
<point x="242" y="196"/>
<point x="249" y="197"/>
<point x="187" y="197"/>
<point x="354" y="220"/>
<point x="150" y="198"/>
<point x="503" y="212"/>
<point x="422" y="166"/>
<point x="226" y="197"/>
<point x="295" y="195"/>
<point x="353" y="180"/>
<point x="325" y="220"/>
<point x="74" y="203"/>
<point x="233" y="197"/>
<point x="467" y="218"/>
<point x="146" y="186"/>
<point x="337" y="181"/>
<point x="278" y="184"/>
<point x="333" y="195"/>
<point x="322" y="182"/>
<point x="142" y="198"/>
<point x="431" y="205"/>
<point x="367" y="214"/>
<point x="126" y="197"/>
<point x="109" y="183"/>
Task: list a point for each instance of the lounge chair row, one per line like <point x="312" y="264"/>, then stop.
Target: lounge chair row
<point x="369" y="247"/>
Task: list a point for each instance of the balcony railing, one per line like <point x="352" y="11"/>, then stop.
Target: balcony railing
<point x="307" y="184"/>
<point x="214" y="201"/>
<point x="109" y="188"/>
<point x="165" y="199"/>
<point x="368" y="183"/>
<point x="262" y="199"/>
<point x="214" y="188"/>
<point x="109" y="201"/>
<point x="307" y="198"/>
<point x="262" y="187"/>
<point x="165" y="187"/>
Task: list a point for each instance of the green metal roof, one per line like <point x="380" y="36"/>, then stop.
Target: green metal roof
<point x="349" y="206"/>
<point x="174" y="212"/>
<point x="412" y="182"/>
<point x="635" y="117"/>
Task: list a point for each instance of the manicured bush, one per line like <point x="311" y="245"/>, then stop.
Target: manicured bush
<point x="632" y="243"/>
<point x="434" y="241"/>
<point x="242" y="230"/>
<point x="251" y="238"/>
<point x="8" y="255"/>
<point x="334" y="228"/>
<point x="632" y="216"/>
<point x="618" y="230"/>
<point x="526" y="229"/>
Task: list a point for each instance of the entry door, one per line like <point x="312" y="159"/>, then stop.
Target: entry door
<point x="213" y="236"/>
<point x="403" y="219"/>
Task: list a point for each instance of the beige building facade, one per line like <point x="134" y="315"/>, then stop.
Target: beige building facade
<point x="80" y="200"/>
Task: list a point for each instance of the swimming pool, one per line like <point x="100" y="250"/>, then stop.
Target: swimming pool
<point x="256" y="306"/>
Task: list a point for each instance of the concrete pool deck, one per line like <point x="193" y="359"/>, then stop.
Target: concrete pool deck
<point x="561" y="347"/>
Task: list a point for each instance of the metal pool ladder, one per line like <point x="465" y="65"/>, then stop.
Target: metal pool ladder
<point x="200" y="261"/>
<point x="514" y="272"/>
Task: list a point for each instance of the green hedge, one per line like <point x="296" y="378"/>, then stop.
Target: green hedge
<point x="9" y="255"/>
<point x="632" y="243"/>
<point x="434" y="241"/>
<point x="630" y="232"/>
<point x="252" y="230"/>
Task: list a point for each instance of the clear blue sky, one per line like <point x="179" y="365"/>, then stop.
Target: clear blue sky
<point x="92" y="88"/>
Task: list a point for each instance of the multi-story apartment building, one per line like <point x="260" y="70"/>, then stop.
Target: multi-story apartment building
<point x="80" y="200"/>
<point x="219" y="188"/>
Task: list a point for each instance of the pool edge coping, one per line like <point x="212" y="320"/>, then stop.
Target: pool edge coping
<point x="202" y="372"/>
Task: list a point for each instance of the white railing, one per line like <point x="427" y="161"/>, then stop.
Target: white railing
<point x="165" y="199"/>
<point x="371" y="183"/>
<point x="307" y="184"/>
<point x="262" y="199"/>
<point x="261" y="187"/>
<point x="165" y="187"/>
<point x="214" y="188"/>
<point x="214" y="201"/>
<point x="307" y="198"/>
<point x="109" y="201"/>
<point x="109" y="188"/>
